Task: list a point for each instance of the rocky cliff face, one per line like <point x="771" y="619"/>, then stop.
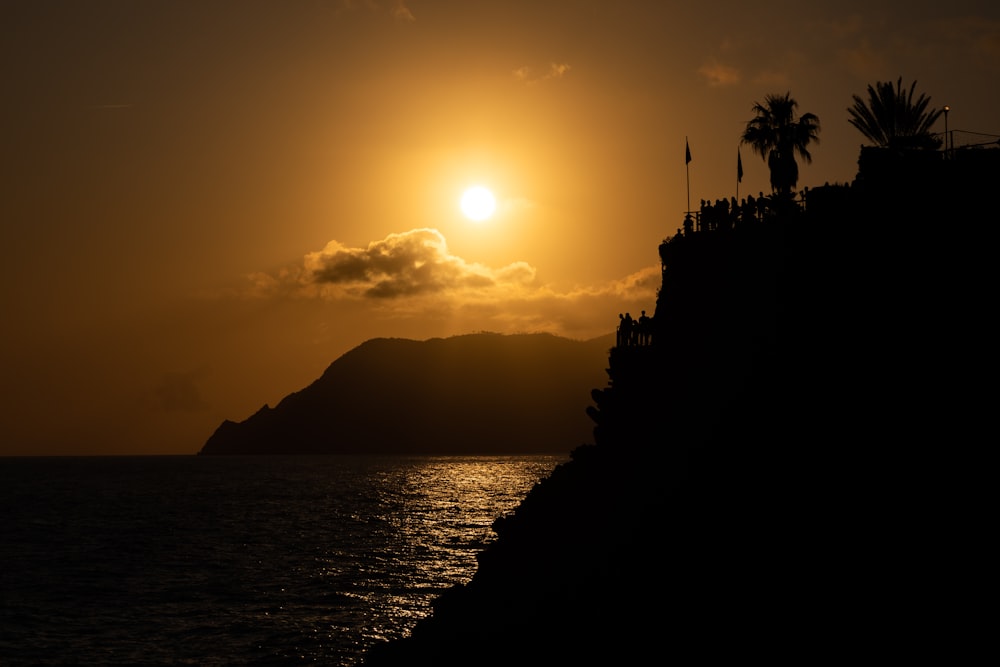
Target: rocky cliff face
<point x="474" y="394"/>
<point x="740" y="498"/>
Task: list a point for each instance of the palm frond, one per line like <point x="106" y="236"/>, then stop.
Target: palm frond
<point x="892" y="117"/>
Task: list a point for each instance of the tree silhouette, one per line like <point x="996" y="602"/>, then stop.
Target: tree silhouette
<point x="777" y="135"/>
<point x="891" y="118"/>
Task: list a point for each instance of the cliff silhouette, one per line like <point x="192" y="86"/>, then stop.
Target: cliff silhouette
<point x="482" y="393"/>
<point x="759" y="483"/>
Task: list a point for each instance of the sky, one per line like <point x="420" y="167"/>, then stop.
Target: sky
<point x="205" y="203"/>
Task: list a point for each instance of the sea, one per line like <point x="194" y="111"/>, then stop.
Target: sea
<point x="257" y="560"/>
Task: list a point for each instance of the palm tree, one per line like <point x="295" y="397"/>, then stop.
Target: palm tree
<point x="891" y="118"/>
<point x="777" y="135"/>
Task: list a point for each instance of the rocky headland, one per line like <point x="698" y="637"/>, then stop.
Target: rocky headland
<point x="757" y="486"/>
<point x="482" y="393"/>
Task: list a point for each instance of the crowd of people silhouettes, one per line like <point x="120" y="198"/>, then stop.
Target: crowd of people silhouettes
<point x="721" y="216"/>
<point x="726" y="214"/>
<point x="636" y="332"/>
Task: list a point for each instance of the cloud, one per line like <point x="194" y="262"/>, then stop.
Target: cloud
<point x="401" y="12"/>
<point x="413" y="276"/>
<point x="558" y="70"/>
<point x="581" y="312"/>
<point x="717" y="74"/>
<point x="409" y="264"/>
<point x="527" y="75"/>
<point x="413" y="263"/>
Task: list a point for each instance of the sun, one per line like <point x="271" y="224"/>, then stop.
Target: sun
<point x="478" y="203"/>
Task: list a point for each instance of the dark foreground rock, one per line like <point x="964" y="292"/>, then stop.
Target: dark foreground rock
<point x="769" y="481"/>
<point x="709" y="519"/>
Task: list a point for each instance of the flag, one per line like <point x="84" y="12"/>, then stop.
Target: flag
<point x="687" y="152"/>
<point x="739" y="167"/>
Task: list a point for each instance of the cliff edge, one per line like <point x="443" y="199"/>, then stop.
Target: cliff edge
<point x="759" y="483"/>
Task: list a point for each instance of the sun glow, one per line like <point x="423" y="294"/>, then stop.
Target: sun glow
<point x="478" y="203"/>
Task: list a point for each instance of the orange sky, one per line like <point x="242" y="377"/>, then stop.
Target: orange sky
<point x="206" y="203"/>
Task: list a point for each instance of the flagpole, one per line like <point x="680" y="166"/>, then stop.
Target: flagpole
<point x="739" y="172"/>
<point x="687" y="170"/>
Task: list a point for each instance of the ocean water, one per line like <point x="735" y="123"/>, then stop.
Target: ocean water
<point x="237" y="560"/>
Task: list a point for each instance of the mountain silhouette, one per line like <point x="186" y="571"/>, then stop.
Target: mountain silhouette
<point x="482" y="393"/>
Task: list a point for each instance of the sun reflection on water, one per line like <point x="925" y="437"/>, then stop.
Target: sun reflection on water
<point x="434" y="515"/>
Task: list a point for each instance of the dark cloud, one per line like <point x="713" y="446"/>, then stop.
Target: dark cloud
<point x="416" y="262"/>
<point x="412" y="276"/>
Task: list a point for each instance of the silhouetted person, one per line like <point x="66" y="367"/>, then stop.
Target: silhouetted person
<point x="748" y="210"/>
<point x="620" y="331"/>
<point x="645" y="324"/>
<point x="628" y="326"/>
